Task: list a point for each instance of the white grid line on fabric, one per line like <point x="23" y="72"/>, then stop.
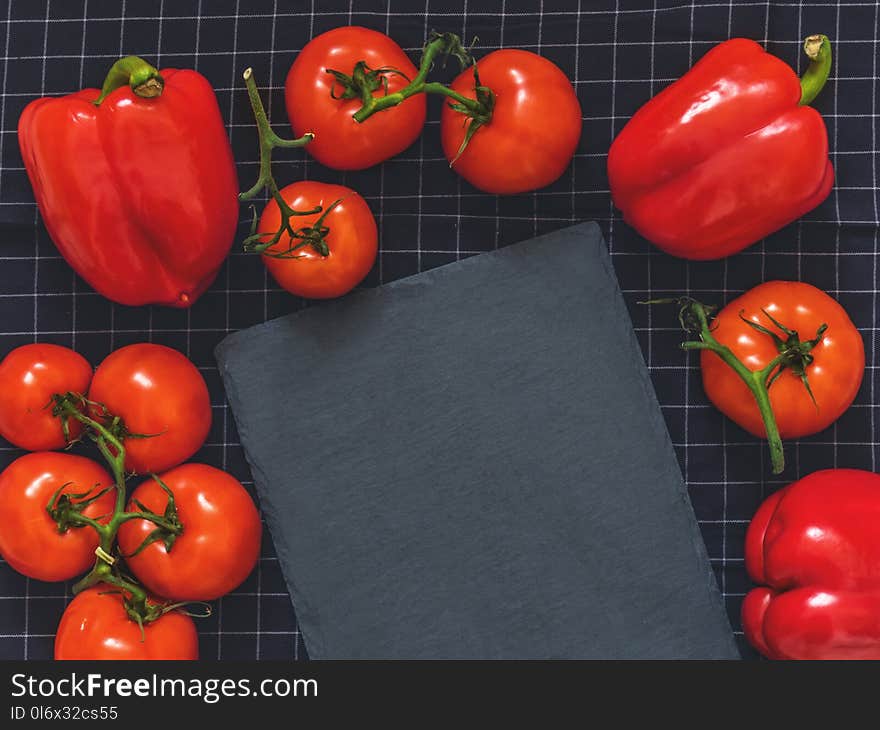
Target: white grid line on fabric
<point x="873" y="345"/>
<point x="27" y="583"/>
<point x="664" y="80"/>
<point x="487" y="14"/>
<point x="613" y="81"/>
<point x="421" y="144"/>
<point x="458" y="183"/>
<point x="835" y="143"/>
<point x="497" y="201"/>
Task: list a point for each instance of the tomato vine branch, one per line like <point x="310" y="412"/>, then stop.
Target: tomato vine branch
<point x="363" y="81"/>
<point x="257" y="242"/>
<point x="66" y="509"/>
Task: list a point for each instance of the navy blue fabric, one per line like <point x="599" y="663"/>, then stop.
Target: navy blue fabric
<point x="618" y="53"/>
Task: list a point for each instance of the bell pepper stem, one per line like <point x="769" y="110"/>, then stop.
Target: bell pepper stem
<point x="818" y="50"/>
<point x="145" y="80"/>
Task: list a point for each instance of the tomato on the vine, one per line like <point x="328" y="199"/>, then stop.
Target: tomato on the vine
<point x="29" y="376"/>
<point x="534" y="130"/>
<point x="29" y="538"/>
<point x="162" y="399"/>
<point x="220" y="543"/>
<point x="347" y="229"/>
<point x="313" y="104"/>
<point x="834" y="375"/>
<point x="96" y="626"/>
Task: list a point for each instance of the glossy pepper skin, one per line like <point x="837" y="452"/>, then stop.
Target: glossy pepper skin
<point x="814" y="547"/>
<point x="727" y="154"/>
<point x="139" y="193"/>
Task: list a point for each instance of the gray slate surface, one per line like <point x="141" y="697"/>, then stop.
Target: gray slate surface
<point x="471" y="463"/>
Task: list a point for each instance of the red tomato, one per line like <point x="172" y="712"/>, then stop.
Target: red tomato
<point x="220" y="543"/>
<point x="29" y="376"/>
<point x="96" y="626"/>
<point x="834" y="376"/>
<point x="340" y="142"/>
<point x="155" y="390"/>
<point x="352" y="240"/>
<point x="535" y="126"/>
<point x="29" y="537"/>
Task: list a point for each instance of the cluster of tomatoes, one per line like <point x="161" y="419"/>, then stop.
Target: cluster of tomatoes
<point x="512" y="124"/>
<point x="188" y="533"/>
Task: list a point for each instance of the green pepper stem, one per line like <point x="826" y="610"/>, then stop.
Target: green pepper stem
<point x="145" y="80"/>
<point x="441" y="44"/>
<point x="818" y="50"/>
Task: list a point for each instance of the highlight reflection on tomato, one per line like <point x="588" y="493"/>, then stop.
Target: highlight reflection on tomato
<point x="157" y="392"/>
<point x="29" y="376"/>
<point x="29" y="537"/>
<point x="220" y="544"/>
<point x="535" y="126"/>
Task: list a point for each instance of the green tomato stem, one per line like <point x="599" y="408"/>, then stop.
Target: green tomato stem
<point x="269" y="141"/>
<point x="441" y="44"/>
<point x="755" y="380"/>
<point x="113" y="451"/>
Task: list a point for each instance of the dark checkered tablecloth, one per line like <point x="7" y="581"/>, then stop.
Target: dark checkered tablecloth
<point x="617" y="54"/>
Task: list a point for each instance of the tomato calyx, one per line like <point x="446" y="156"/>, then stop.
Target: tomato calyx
<point x="144" y="611"/>
<point x="793" y="354"/>
<point x="139" y="606"/>
<point x="363" y="80"/>
<point x="314" y="235"/>
<point x="168" y="525"/>
<point x="66" y="510"/>
<point x="68" y="405"/>
<point x="477" y="111"/>
<point x="474" y="118"/>
<point x="256" y="242"/>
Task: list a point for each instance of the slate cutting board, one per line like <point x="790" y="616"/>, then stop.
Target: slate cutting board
<point x="471" y="463"/>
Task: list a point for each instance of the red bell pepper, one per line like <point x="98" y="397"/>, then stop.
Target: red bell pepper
<point x="815" y="548"/>
<point x="727" y="154"/>
<point x="135" y="182"/>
